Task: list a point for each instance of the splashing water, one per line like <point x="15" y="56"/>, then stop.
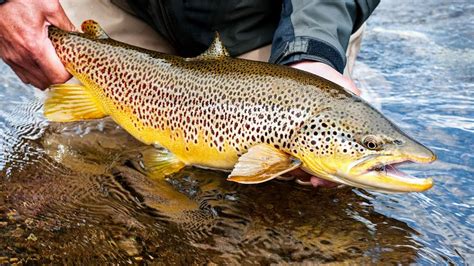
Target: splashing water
<point x="76" y="192"/>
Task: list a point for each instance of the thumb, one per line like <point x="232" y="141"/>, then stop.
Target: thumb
<point x="59" y="19"/>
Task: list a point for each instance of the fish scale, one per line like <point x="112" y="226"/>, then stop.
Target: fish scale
<point x="215" y="111"/>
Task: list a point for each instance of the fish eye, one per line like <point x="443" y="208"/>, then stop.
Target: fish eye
<point x="371" y="142"/>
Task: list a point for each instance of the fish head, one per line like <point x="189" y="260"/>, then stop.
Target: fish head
<point x="354" y="144"/>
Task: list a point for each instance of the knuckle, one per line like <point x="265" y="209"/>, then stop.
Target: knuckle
<point x="61" y="78"/>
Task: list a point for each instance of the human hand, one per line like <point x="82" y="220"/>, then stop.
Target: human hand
<point x="24" y="43"/>
<point x="327" y="72"/>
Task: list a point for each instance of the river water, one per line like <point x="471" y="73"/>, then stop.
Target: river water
<point x="76" y="192"/>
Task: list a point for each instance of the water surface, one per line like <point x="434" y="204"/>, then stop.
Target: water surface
<point x="76" y="192"/>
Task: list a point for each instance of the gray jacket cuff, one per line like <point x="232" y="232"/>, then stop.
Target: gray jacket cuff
<point x="307" y="48"/>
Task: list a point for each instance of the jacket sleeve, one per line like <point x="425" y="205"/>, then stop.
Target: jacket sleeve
<point x="318" y="30"/>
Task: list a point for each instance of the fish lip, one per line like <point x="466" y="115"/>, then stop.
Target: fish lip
<point x="359" y="163"/>
<point x="424" y="160"/>
<point x="377" y="177"/>
<point x="390" y="163"/>
<point x="393" y="162"/>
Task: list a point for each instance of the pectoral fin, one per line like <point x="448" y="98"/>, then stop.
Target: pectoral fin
<point x="261" y="163"/>
<point x="160" y="163"/>
<point x="71" y="102"/>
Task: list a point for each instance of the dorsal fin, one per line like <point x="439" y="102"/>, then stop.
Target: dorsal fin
<point x="94" y="30"/>
<point x="216" y="50"/>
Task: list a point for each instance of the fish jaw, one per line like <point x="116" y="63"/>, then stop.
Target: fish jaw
<point x="379" y="172"/>
<point x="385" y="179"/>
<point x="376" y="172"/>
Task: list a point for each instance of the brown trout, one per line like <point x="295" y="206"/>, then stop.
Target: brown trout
<point x="254" y="119"/>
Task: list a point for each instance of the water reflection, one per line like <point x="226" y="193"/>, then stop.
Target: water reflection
<point x="86" y="197"/>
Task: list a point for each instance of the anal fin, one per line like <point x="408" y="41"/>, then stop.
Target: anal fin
<point x="71" y="102"/>
<point x="160" y="163"/>
<point x="261" y="163"/>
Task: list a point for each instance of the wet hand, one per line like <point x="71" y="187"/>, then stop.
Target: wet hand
<point x="24" y="43"/>
<point x="327" y="72"/>
<point x="304" y="178"/>
<point x="330" y="74"/>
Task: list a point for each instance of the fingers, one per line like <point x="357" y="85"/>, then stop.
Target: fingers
<point x="49" y="63"/>
<point x="356" y="90"/>
<point x="304" y="178"/>
<point x="327" y="72"/>
<point x="36" y="65"/>
<point x="21" y="61"/>
<point x="319" y="182"/>
<point x="46" y="57"/>
<point x="24" y="43"/>
<point x="35" y="78"/>
<point x="19" y="72"/>
<point x="59" y="18"/>
<point x="350" y="85"/>
<point x="30" y="72"/>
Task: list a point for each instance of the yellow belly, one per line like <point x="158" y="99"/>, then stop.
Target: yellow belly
<point x="189" y="152"/>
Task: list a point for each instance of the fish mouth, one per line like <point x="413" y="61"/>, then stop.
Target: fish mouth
<point x="384" y="176"/>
